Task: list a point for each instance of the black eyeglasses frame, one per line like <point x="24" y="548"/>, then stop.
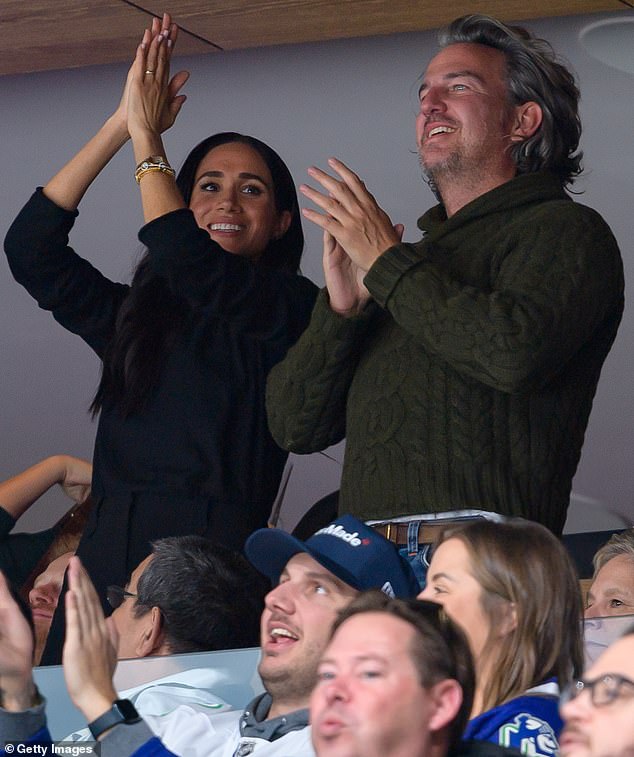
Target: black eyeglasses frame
<point x="116" y="595"/>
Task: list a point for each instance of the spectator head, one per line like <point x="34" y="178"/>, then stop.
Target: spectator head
<point x="189" y="595"/>
<point x="598" y="711"/>
<point x="612" y="589"/>
<point x="396" y="679"/>
<point x="533" y="73"/>
<point x="43" y="586"/>
<point x="314" y="580"/>
<point x="43" y="598"/>
<point x="283" y="250"/>
<point x="513" y="589"/>
<point x="151" y="316"/>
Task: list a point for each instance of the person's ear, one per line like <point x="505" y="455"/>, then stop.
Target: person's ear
<point x="283" y="222"/>
<point x="447" y="699"/>
<point x="508" y="619"/>
<point x="526" y="121"/>
<point x="152" y="637"/>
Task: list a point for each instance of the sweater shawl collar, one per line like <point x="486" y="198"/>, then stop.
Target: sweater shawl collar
<point x="522" y="190"/>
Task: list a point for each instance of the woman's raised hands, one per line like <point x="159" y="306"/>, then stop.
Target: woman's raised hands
<point x="151" y="100"/>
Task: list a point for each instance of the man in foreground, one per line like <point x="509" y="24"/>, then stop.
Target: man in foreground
<point x="461" y="368"/>
<point x="396" y="680"/>
<point x="598" y="711"/>
<point x="316" y="578"/>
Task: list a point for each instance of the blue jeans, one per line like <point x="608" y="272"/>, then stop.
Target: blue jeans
<point x="417" y="555"/>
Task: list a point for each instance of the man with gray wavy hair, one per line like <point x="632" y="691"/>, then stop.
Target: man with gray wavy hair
<point x="461" y="368"/>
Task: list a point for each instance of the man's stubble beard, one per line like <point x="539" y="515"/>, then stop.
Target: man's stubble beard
<point x="456" y="170"/>
<point x="294" y="682"/>
<point x="454" y="167"/>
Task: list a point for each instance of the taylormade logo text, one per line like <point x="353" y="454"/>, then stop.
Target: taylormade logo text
<point x="340" y="532"/>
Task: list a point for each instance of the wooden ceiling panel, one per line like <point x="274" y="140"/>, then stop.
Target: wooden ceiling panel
<point x="234" y="24"/>
<point x="39" y="35"/>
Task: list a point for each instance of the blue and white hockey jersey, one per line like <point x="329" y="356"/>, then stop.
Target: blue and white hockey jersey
<point x="529" y="723"/>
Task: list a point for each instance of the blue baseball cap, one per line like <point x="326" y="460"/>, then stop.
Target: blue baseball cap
<point x="349" y="549"/>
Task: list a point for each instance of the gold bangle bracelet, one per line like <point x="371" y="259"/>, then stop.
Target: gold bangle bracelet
<point x="153" y="163"/>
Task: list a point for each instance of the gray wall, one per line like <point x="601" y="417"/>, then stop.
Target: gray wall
<point x="354" y="99"/>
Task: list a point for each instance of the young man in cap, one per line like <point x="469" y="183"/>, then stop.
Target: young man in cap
<point x="315" y="579"/>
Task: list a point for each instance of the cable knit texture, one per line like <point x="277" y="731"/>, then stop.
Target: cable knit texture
<point x="468" y="382"/>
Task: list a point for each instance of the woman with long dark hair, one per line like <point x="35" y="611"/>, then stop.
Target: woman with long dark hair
<point x="182" y="444"/>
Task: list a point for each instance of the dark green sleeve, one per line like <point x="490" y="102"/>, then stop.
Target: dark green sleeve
<point x="306" y="393"/>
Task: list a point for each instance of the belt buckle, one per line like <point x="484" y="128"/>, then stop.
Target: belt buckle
<point x="391" y="532"/>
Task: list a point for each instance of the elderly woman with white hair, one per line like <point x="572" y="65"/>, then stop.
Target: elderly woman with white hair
<point x="612" y="588"/>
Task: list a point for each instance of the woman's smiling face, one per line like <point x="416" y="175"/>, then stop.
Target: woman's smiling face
<point x="233" y="200"/>
<point x="451" y="583"/>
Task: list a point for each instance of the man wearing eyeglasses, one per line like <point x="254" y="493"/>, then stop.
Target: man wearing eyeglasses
<point x="188" y="595"/>
<point x="598" y="711"/>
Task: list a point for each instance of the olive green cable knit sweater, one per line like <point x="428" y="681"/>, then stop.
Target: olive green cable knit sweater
<point x="468" y="382"/>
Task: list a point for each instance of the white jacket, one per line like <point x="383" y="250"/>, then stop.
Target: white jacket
<point x="155" y="700"/>
<point x="192" y="734"/>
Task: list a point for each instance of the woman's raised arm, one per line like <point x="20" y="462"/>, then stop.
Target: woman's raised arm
<point x="73" y="474"/>
<point x="153" y="104"/>
<point x="69" y="185"/>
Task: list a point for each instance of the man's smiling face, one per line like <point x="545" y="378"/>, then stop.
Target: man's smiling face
<point x="465" y="117"/>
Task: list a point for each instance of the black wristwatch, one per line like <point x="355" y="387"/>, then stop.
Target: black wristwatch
<point x="122" y="711"/>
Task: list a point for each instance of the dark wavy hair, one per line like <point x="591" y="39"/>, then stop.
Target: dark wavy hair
<point x="209" y="596"/>
<point x="151" y="317"/>
<point x="533" y="74"/>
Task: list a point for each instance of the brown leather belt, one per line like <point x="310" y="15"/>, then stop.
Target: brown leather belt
<point x="397" y="532"/>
